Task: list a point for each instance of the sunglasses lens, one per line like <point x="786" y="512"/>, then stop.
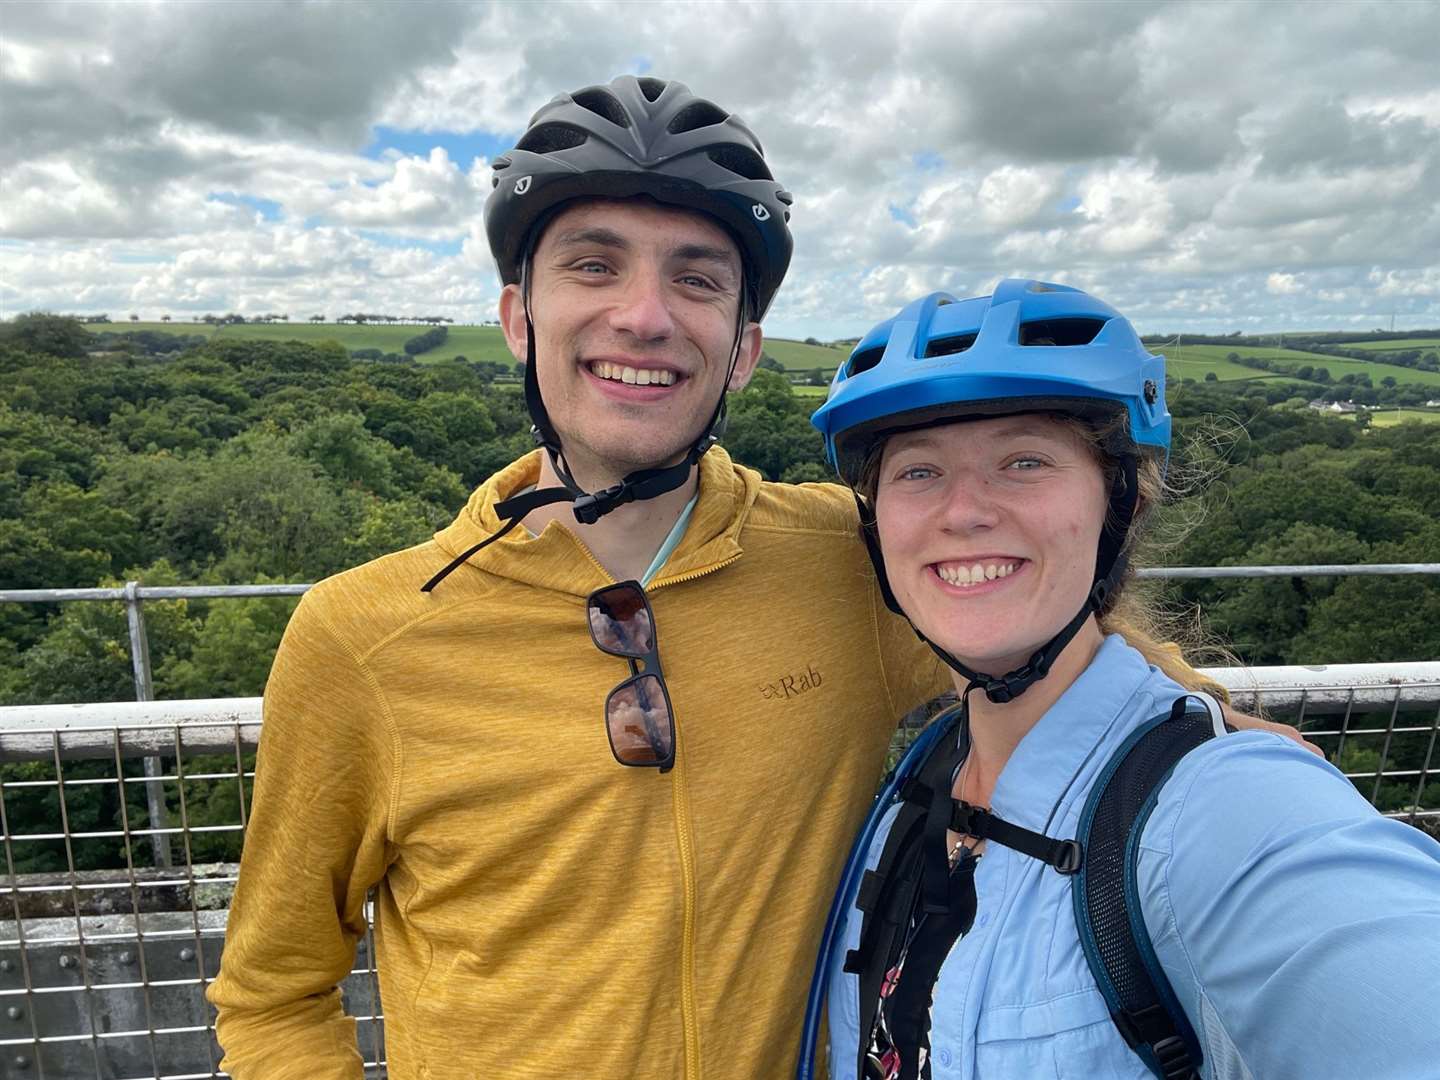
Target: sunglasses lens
<point x="620" y="621"/>
<point x="637" y="714"/>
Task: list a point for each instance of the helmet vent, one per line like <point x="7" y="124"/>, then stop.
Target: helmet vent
<point x="651" y="88"/>
<point x="1061" y="331"/>
<point x="864" y="361"/>
<point x="602" y="103"/>
<point x="949" y="346"/>
<point x="548" y="138"/>
<point x="697" y="114"/>
<point x="741" y="161"/>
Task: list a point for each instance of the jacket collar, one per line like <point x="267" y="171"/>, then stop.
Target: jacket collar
<point x="558" y="560"/>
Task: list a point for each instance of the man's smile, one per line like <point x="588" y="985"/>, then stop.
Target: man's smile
<point x="616" y="371"/>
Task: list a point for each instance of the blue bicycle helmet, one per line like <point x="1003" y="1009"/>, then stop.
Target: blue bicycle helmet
<point x="1029" y="347"/>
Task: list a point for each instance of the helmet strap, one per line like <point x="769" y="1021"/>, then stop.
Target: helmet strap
<point x="1110" y="563"/>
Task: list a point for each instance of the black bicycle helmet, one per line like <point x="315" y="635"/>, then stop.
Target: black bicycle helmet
<point x="642" y="136"/>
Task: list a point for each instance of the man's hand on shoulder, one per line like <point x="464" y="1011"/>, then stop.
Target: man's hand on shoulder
<point x="1246" y="722"/>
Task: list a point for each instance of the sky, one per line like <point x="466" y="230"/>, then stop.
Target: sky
<point x="1204" y="167"/>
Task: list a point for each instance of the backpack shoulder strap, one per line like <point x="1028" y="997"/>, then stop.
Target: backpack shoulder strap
<point x="1107" y="903"/>
<point x="887" y="894"/>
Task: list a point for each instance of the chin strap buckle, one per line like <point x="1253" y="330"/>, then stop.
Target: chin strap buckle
<point x="590" y="508"/>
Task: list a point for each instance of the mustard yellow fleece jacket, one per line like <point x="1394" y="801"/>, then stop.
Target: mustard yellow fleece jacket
<point x="543" y="911"/>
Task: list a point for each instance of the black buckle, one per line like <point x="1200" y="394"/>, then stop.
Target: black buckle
<point x="1173" y="1057"/>
<point x="1148" y="1026"/>
<point x="1069" y="857"/>
<point x="968" y="819"/>
<point x="591" y="508"/>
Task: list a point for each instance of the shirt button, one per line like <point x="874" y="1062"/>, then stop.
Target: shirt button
<point x="985" y="919"/>
<point x="944" y="1056"/>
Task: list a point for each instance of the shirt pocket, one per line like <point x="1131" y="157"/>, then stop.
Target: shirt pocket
<point x="1070" y="1037"/>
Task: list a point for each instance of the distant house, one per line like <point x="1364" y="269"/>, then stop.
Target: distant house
<point x="1432" y="404"/>
<point x="1343" y="407"/>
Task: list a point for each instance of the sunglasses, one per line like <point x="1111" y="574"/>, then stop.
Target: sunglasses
<point x="638" y="718"/>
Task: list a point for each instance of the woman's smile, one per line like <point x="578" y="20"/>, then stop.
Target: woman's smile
<point x="977" y="576"/>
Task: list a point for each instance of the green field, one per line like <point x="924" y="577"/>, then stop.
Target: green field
<point x="816" y="392"/>
<point x="1392" y="417"/>
<point x="1394" y="346"/>
<point x="471" y="342"/>
<point x="797" y="356"/>
<point x="1187" y="360"/>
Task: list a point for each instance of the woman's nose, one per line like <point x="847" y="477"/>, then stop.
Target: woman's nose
<point x="970" y="504"/>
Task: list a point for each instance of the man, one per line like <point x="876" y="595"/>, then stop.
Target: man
<point x="544" y="910"/>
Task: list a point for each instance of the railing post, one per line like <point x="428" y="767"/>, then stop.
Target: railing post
<point x="145" y="691"/>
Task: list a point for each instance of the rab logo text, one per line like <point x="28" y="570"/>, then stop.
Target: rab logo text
<point x="788" y="686"/>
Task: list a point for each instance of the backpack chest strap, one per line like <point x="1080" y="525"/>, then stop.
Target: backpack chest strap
<point x="1066" y="856"/>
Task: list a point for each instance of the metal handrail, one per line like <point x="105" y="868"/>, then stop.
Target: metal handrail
<point x="133" y="590"/>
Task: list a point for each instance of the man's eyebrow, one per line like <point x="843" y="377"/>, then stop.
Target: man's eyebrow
<point x="594" y="234"/>
<point x="705" y="253"/>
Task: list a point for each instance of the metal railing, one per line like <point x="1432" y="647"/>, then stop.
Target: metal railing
<point x="104" y="958"/>
<point x="103" y="967"/>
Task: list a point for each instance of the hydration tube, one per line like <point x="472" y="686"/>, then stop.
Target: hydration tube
<point x="849" y="878"/>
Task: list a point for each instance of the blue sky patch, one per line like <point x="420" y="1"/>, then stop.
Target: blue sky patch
<point x="1069" y="204"/>
<point x="268" y="209"/>
<point x="904" y="216"/>
<point x="461" y="146"/>
<point x="928" y="159"/>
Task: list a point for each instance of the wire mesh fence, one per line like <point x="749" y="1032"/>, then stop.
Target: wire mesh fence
<point x="105" y="956"/>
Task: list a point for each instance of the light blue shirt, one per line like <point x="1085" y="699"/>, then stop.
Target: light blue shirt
<point x="1299" y="928"/>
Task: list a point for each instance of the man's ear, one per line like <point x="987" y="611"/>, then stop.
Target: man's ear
<point x="751" y="341"/>
<point x="512" y="321"/>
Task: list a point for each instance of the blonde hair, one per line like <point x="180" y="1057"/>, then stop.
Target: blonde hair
<point x="1167" y="639"/>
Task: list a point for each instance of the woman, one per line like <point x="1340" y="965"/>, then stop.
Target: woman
<point x="1006" y="452"/>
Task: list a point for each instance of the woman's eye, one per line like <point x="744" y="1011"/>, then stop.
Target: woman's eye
<point x="916" y="472"/>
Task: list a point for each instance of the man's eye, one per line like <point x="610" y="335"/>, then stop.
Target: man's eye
<point x="695" y="281"/>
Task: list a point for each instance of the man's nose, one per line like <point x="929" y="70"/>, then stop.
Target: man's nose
<point x="644" y="310"/>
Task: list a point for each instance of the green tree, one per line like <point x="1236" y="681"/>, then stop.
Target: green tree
<point x="45" y="332"/>
<point x="232" y="650"/>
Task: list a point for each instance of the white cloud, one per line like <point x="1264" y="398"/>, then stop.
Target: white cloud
<point x="421" y="191"/>
<point x="1209" y="165"/>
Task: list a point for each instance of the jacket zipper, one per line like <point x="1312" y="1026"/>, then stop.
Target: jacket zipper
<point x="680" y="802"/>
<point x="685" y="839"/>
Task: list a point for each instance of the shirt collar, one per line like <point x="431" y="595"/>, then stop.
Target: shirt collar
<point x="1071" y="738"/>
